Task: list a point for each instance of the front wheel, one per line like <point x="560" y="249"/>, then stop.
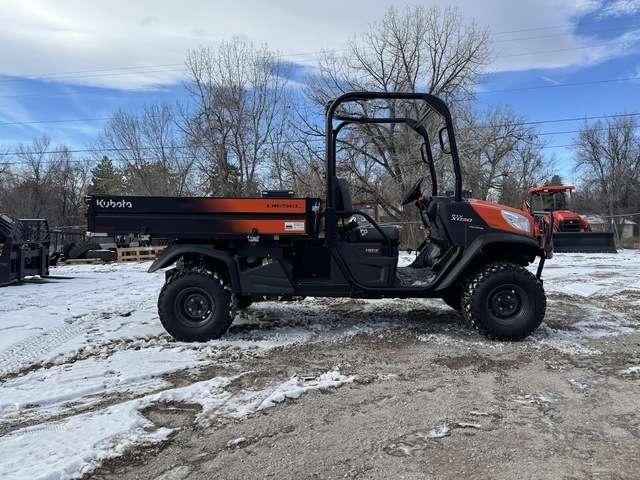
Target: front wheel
<point x="195" y="306"/>
<point x="503" y="301"/>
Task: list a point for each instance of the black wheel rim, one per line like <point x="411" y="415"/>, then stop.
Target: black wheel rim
<point x="508" y="304"/>
<point x="194" y="306"/>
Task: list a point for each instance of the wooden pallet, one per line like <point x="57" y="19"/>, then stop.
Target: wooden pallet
<point x="138" y="254"/>
<point x="80" y="261"/>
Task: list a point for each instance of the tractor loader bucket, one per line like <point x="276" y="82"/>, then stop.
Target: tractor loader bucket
<point x="584" y="242"/>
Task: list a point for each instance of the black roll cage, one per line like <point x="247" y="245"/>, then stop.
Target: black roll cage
<point x="432" y="104"/>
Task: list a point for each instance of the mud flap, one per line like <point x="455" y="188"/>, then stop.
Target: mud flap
<point x="584" y="242"/>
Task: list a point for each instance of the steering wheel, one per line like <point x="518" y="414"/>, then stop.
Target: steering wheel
<point x="414" y="194"/>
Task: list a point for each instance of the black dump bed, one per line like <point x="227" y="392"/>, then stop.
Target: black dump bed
<point x="202" y="217"/>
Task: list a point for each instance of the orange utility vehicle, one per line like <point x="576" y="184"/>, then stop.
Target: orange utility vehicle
<point x="229" y="252"/>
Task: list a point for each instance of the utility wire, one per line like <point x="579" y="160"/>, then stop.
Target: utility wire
<point x="135" y="70"/>
<point x="534" y="122"/>
<point x="195" y="157"/>
<point x="169" y="68"/>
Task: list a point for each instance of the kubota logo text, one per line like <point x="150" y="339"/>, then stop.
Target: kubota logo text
<point x="113" y="203"/>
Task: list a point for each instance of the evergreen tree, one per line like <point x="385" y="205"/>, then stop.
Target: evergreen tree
<point x="105" y="178"/>
<point x="556" y="180"/>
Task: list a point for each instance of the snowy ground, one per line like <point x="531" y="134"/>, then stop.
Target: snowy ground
<point x="83" y="355"/>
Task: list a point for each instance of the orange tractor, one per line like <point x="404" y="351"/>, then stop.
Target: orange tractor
<point x="571" y="232"/>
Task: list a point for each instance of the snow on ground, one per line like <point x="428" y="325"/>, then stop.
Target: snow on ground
<point x="83" y="353"/>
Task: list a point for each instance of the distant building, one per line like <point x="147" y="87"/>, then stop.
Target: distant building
<point x="599" y="224"/>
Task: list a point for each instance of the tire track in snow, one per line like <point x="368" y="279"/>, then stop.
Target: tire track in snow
<point x="35" y="349"/>
<point x="36" y="430"/>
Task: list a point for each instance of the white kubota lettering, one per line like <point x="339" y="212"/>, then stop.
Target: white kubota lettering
<point x="102" y="203"/>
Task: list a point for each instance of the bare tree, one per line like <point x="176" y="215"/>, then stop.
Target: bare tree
<point x="238" y="115"/>
<point x="608" y="157"/>
<point x="149" y="148"/>
<point x="70" y="184"/>
<point x="501" y="155"/>
<point x="419" y="49"/>
<point x="416" y="49"/>
<point x="5" y="161"/>
<point x="34" y="178"/>
<point x="529" y="168"/>
<point x="299" y="164"/>
<point x="6" y="177"/>
<point x="45" y="182"/>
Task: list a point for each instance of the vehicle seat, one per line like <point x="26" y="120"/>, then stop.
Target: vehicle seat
<point x="369" y="233"/>
<point x="343" y="198"/>
<point x="360" y="233"/>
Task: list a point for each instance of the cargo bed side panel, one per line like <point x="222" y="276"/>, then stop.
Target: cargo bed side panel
<point x="198" y="217"/>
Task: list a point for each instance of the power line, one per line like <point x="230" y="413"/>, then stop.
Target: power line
<point x="559" y="50"/>
<point x="154" y="69"/>
<point x="576" y="119"/>
<point x="97" y="72"/>
<point x="575" y="84"/>
<point x="566" y="25"/>
<point x="146" y="68"/>
<point x="483" y="92"/>
<point x="71" y="120"/>
<point x="564" y="34"/>
<point x="313" y="140"/>
<point x="138" y="117"/>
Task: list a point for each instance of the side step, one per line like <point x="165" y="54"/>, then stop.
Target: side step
<point x="413" y="277"/>
<point x="584" y="242"/>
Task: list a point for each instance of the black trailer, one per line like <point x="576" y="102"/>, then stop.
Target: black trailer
<point x="24" y="248"/>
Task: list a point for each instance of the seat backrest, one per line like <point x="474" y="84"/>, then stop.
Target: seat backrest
<point x="343" y="197"/>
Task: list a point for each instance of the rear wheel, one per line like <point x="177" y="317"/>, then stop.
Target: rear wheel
<point x="195" y="306"/>
<point x="80" y="250"/>
<point x="504" y="301"/>
<point x="104" y="255"/>
<point x="66" y="249"/>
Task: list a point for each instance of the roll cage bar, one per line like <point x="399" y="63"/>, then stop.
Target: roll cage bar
<point x="430" y="105"/>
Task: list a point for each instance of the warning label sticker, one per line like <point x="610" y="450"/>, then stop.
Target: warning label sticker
<point x="294" y="226"/>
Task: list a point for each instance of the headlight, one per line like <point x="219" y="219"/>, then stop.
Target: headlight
<point x="516" y="220"/>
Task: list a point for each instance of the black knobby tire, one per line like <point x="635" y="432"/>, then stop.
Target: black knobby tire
<point x="104" y="255"/>
<point x="53" y="258"/>
<point x="504" y="301"/>
<point x="66" y="249"/>
<point x="195" y="305"/>
<point x="80" y="251"/>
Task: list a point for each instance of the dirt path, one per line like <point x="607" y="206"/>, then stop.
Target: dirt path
<point x="422" y="405"/>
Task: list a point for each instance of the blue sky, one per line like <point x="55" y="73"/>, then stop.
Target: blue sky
<point x="66" y="65"/>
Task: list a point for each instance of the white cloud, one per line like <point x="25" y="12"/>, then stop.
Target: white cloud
<point x="620" y="8"/>
<point x="90" y="37"/>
